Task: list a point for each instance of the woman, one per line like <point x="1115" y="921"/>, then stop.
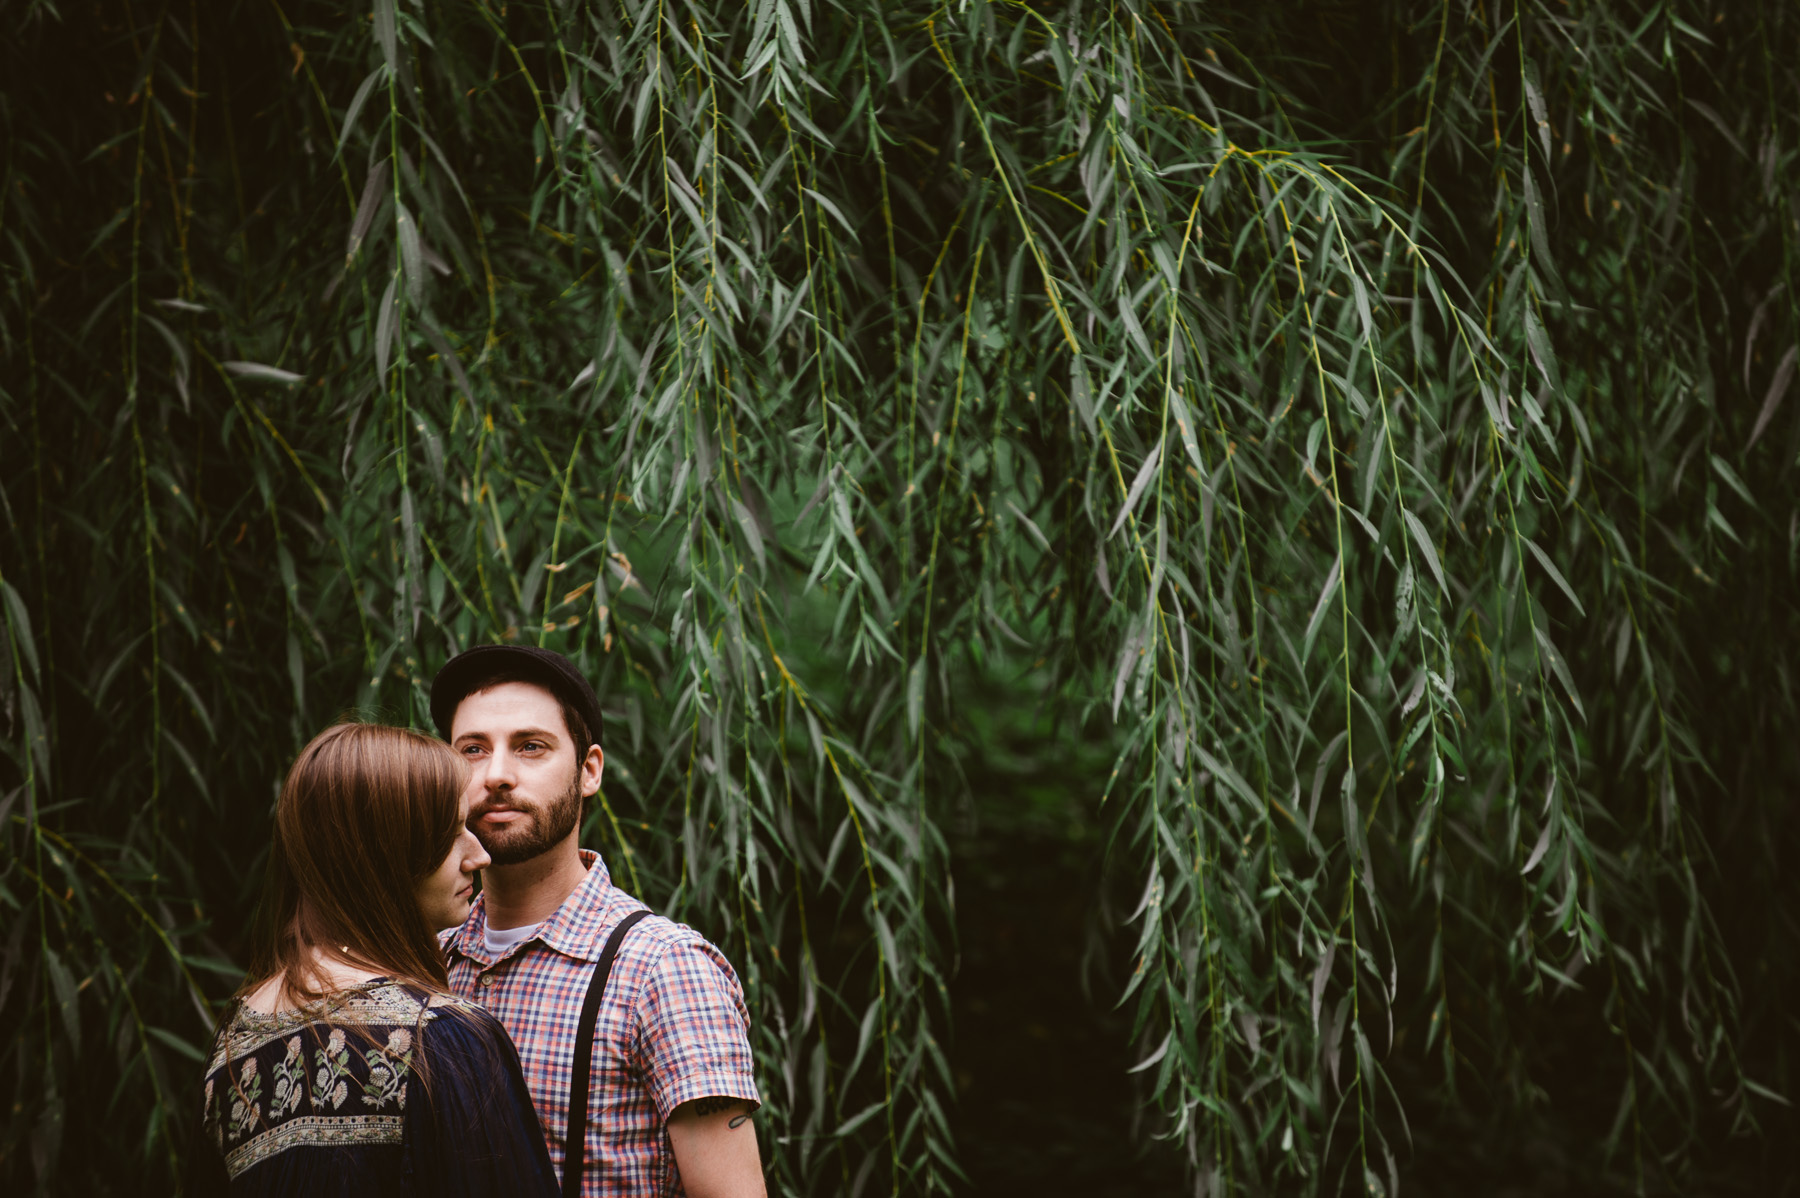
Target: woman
<point x="346" y="1068"/>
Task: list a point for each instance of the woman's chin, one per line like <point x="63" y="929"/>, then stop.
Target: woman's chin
<point x="448" y="919"/>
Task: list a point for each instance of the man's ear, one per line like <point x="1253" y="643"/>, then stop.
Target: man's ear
<point x="592" y="767"/>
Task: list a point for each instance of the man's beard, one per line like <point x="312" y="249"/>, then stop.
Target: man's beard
<point x="537" y="832"/>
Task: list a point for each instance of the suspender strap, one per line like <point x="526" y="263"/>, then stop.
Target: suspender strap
<point x="582" y="1067"/>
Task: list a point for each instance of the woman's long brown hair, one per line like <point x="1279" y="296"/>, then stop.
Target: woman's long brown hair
<point x="366" y="814"/>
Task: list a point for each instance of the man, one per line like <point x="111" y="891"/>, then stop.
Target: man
<point x="670" y="1091"/>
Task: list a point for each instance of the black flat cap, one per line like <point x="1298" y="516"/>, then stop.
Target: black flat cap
<point x="484" y="665"/>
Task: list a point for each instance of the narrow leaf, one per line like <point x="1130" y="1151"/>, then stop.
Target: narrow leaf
<point x="1543" y="846"/>
<point x="262" y="373"/>
<point x="915" y="697"/>
<point x="1555" y="574"/>
<point x="385" y="33"/>
<point x="1162" y="1050"/>
<point x="1423" y="540"/>
<point x="412" y="259"/>
<point x="374" y="188"/>
<point x="1319" y="609"/>
<point x="384" y="327"/>
<point x="1145" y="473"/>
<point x="1778" y="389"/>
<point x="357" y="101"/>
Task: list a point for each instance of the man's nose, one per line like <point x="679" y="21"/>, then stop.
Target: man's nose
<point x="500" y="771"/>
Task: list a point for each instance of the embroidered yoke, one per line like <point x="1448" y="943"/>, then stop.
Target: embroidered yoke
<point x="329" y="1100"/>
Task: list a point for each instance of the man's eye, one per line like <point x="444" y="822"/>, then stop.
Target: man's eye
<point x="530" y="746"/>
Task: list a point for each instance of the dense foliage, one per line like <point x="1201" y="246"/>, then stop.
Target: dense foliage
<point x="1367" y="425"/>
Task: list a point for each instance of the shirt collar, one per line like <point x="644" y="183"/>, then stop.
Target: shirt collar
<point x="573" y="930"/>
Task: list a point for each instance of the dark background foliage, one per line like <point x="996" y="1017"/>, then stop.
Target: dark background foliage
<point x="1077" y="513"/>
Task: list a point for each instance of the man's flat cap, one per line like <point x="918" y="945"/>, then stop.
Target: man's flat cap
<point x="484" y="665"/>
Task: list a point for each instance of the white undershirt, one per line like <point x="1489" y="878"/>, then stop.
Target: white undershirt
<point x="501" y="941"/>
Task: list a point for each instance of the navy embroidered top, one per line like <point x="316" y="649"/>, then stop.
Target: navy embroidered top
<point x="379" y="1092"/>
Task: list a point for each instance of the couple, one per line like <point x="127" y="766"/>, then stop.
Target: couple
<point x="369" y="1056"/>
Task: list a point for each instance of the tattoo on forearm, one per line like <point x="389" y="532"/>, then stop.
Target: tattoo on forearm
<point x="714" y="1104"/>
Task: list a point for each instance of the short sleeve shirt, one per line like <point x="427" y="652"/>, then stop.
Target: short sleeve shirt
<point x="672" y="1028"/>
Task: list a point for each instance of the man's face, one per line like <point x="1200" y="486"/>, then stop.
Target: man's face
<point x="526" y="782"/>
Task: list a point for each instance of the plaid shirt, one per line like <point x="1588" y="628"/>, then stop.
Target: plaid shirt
<point x="672" y="1028"/>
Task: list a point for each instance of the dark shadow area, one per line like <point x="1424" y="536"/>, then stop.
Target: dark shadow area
<point x="1045" y="1105"/>
<point x="1045" y="1102"/>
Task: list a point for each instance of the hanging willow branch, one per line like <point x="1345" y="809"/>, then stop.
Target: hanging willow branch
<point x="1368" y="425"/>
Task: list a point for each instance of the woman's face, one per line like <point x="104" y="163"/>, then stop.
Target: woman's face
<point x="445" y="894"/>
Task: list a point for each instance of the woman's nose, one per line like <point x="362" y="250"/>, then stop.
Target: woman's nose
<point x="474" y="857"/>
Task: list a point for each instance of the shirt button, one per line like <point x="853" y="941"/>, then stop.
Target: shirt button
<point x="488" y="979"/>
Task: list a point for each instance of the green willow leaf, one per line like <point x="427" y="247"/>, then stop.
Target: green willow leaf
<point x="1556" y="576"/>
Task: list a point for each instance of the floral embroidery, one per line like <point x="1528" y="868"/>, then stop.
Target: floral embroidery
<point x="334" y="1066"/>
<point x="260" y="1071"/>
<point x="388" y="1070"/>
<point x="246" y="1100"/>
<point x="290" y="1080"/>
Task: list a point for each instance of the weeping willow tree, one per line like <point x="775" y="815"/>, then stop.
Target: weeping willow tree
<point x="1368" y="423"/>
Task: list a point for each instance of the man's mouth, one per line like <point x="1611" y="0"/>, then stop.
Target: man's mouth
<point x="497" y="816"/>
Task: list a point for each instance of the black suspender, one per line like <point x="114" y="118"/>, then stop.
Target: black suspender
<point x="582" y="1067"/>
